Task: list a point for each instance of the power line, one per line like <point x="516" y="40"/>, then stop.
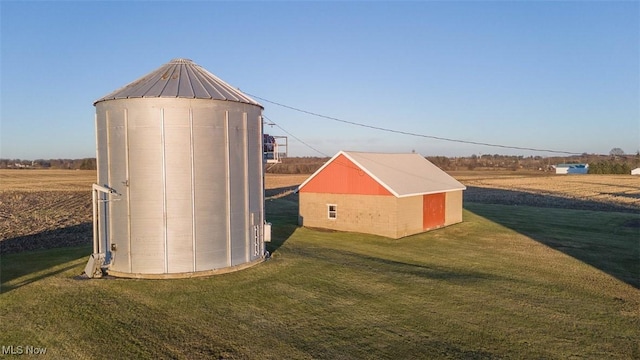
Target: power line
<point x="295" y="137"/>
<point x="349" y="165"/>
<point x="407" y="132"/>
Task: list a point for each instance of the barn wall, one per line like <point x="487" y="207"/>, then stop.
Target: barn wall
<point x="379" y="215"/>
<point x="453" y="207"/>
<point x="409" y="210"/>
<point x="371" y="214"/>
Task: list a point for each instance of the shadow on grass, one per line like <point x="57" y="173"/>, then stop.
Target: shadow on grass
<point x="281" y="210"/>
<point x="31" y="266"/>
<point x="35" y="254"/>
<point x="371" y="264"/>
<point x="599" y="234"/>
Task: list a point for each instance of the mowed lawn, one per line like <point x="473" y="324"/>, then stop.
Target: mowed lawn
<point x="498" y="285"/>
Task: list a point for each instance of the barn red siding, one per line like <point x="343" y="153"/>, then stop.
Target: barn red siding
<point x="342" y="176"/>
<point x="433" y="210"/>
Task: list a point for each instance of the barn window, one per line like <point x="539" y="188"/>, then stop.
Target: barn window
<point x="332" y="211"/>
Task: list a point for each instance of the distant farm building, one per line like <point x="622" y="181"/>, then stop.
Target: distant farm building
<point x="392" y="195"/>
<point x="635" y="171"/>
<point x="572" y="168"/>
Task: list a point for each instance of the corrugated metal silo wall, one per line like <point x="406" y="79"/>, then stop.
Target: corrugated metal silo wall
<point x="190" y="175"/>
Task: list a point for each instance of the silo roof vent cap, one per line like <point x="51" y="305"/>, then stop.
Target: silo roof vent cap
<point x="181" y="61"/>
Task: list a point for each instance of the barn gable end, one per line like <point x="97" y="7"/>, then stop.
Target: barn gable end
<point x="342" y="176"/>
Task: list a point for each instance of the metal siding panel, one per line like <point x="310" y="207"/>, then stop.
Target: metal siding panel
<point x="210" y="188"/>
<point x="138" y="88"/>
<point x="172" y="83"/>
<point x="158" y="88"/>
<point x="238" y="179"/>
<point x="199" y="91"/>
<point x="178" y="190"/>
<point x="254" y="148"/>
<point x="146" y="190"/>
<point x="118" y="206"/>
<point x="210" y="87"/>
<point x="102" y="156"/>
<point x="185" y="88"/>
<point x="101" y="146"/>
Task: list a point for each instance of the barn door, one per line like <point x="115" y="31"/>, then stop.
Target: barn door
<point x="433" y="211"/>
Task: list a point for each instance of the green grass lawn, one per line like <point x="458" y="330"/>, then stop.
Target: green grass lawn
<point x="494" y="286"/>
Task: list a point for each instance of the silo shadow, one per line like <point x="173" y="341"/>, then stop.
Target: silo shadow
<point x="41" y="255"/>
<point x="281" y="210"/>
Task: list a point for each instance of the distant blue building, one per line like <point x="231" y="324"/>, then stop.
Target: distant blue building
<point x="572" y="168"/>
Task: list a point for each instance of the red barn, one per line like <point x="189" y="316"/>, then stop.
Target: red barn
<point x="392" y="195"/>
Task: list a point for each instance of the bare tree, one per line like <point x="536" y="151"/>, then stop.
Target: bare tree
<point x="616" y="152"/>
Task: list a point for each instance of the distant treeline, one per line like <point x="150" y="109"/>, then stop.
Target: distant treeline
<point x="621" y="164"/>
<point x="598" y="164"/>
<point x="297" y="165"/>
<point x="68" y="164"/>
<point x="610" y="167"/>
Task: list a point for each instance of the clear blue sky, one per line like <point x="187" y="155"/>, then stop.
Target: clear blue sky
<point x="553" y="75"/>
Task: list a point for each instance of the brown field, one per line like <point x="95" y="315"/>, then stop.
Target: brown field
<point x="276" y="181"/>
<point x="43" y="208"/>
<point x="46" y="180"/>
<point x="590" y="192"/>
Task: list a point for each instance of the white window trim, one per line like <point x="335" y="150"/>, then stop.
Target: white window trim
<point x="335" y="211"/>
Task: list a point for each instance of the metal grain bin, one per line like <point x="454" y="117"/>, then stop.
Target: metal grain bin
<point x="180" y="176"/>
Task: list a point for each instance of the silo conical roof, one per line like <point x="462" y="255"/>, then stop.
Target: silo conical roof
<point x="180" y="78"/>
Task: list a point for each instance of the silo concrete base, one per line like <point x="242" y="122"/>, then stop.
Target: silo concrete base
<point x="186" y="275"/>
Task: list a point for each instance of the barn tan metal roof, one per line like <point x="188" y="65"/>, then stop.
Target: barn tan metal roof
<point x="180" y="78"/>
<point x="402" y="174"/>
